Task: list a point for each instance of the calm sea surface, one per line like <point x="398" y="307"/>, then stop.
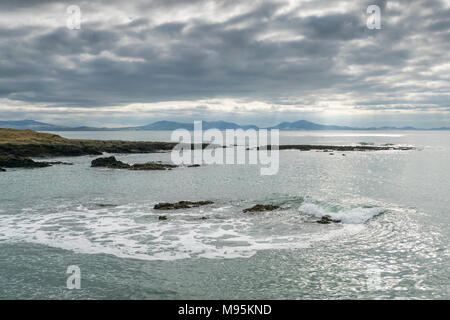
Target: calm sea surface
<point x="393" y="241"/>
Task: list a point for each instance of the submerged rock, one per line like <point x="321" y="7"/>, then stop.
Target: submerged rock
<point x="61" y="163"/>
<point x="180" y="205"/>
<point x="106" y="205"/>
<point x="162" y="218"/>
<point x="2" y="170"/>
<point x="152" y="166"/>
<point x="326" y="219"/>
<point x="261" y="207"/>
<point x="12" y="161"/>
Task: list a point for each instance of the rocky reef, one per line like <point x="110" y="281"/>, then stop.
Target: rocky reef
<point x="180" y="205"/>
<point x="260" y="208"/>
<point x="113" y="163"/>
<point x="152" y="166"/>
<point x="326" y="219"/>
<point x="324" y="148"/>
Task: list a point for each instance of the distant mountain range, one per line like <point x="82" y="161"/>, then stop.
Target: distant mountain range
<point x="171" y="125"/>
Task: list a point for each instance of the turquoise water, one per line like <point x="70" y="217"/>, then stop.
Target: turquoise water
<point x="392" y="243"/>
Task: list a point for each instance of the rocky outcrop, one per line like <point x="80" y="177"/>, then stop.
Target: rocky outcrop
<point x="180" y="205"/>
<point x="113" y="163"/>
<point x="109" y="162"/>
<point x="261" y="207"/>
<point x="12" y="161"/>
<point x="326" y="219"/>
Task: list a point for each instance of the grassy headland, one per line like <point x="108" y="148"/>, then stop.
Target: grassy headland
<point x="29" y="143"/>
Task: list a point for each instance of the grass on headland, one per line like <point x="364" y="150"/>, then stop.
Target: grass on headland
<point x="29" y="137"/>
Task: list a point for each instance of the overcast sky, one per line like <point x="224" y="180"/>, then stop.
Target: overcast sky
<point x="260" y="62"/>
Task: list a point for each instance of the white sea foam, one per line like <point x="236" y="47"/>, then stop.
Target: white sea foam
<point x="135" y="232"/>
<point x="352" y="216"/>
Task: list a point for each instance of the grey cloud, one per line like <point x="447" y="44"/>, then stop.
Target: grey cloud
<point x="139" y="61"/>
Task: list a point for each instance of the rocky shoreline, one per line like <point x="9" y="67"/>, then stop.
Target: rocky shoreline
<point x="29" y="143"/>
<point x="18" y="146"/>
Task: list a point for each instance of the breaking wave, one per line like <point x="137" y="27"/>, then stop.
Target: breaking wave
<point x="351" y="216"/>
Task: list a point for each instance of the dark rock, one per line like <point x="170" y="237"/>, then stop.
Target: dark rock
<point x="326" y="219"/>
<point x="113" y="163"/>
<point x="60" y="163"/>
<point x="109" y="162"/>
<point x="106" y="205"/>
<point x="152" y="166"/>
<point x="162" y="218"/>
<point x="193" y="166"/>
<point x="261" y="207"/>
<point x="12" y="161"/>
<point x="2" y="170"/>
<point x="180" y="205"/>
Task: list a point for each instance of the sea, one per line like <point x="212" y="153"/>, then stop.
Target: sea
<point x="392" y="242"/>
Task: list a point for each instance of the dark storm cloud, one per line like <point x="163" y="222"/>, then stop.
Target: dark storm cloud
<point x="267" y="52"/>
